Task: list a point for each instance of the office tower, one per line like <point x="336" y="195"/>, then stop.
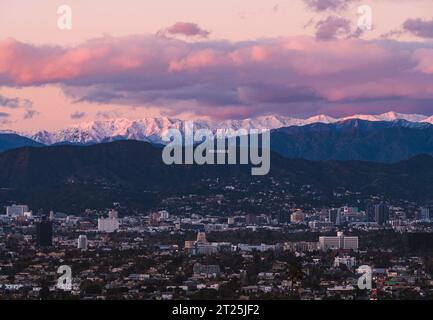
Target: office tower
<point x="332" y="215"/>
<point x="425" y="214"/>
<point x="370" y="211"/>
<point x="339" y="242"/>
<point x="44" y="233"/>
<point x="339" y="220"/>
<point x="108" y="224"/>
<point x="16" y="210"/>
<point x="157" y="217"/>
<point x="381" y="213"/>
<point x="82" y="242"/>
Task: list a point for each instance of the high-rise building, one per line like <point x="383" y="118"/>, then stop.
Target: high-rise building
<point x="44" y="233"/>
<point x="16" y="210"/>
<point x="82" y="242"/>
<point x="370" y="211"/>
<point x="332" y="215"/>
<point x="202" y="247"/>
<point x="108" y="224"/>
<point x="381" y="213"/>
<point x="339" y="242"/>
<point x="157" y="217"/>
<point x="339" y="220"/>
<point x="425" y="214"/>
<point x="335" y="216"/>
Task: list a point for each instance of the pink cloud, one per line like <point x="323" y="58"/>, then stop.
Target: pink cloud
<point x="260" y="53"/>
<point x="282" y="75"/>
<point x="195" y="61"/>
<point x="424" y="59"/>
<point x="419" y="27"/>
<point x="332" y="27"/>
<point x="187" y="29"/>
<point x="323" y="5"/>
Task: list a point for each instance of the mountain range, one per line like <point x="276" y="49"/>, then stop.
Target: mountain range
<point x="152" y="129"/>
<point x="77" y="177"/>
<point x="13" y="140"/>
<point x="355" y="139"/>
<point x="389" y="137"/>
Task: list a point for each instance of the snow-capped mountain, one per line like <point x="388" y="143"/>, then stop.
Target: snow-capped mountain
<point x="152" y="129"/>
<point x="429" y="120"/>
<point x="388" y="116"/>
<point x="146" y="129"/>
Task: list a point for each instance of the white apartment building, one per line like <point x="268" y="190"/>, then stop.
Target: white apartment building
<point x="16" y="210"/>
<point x="82" y="242"/>
<point x="339" y="242"/>
<point x="108" y="225"/>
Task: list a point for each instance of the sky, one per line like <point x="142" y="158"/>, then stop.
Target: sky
<point x="225" y="59"/>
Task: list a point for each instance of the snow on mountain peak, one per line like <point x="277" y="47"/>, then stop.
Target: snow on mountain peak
<point x="388" y="116"/>
<point x="322" y="119"/>
<point x="428" y="120"/>
<point x="392" y="116"/>
<point x="152" y="129"/>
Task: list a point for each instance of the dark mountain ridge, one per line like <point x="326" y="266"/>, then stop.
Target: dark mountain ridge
<point x="385" y="142"/>
<point x="138" y="165"/>
<point x="10" y="141"/>
<point x="376" y="141"/>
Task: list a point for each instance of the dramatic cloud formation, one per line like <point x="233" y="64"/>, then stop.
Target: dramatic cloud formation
<point x="187" y="29"/>
<point x="332" y="27"/>
<point x="419" y="27"/>
<point x="294" y="75"/>
<point x="323" y="5"/>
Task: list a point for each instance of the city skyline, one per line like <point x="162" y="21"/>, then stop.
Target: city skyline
<point x="216" y="158"/>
